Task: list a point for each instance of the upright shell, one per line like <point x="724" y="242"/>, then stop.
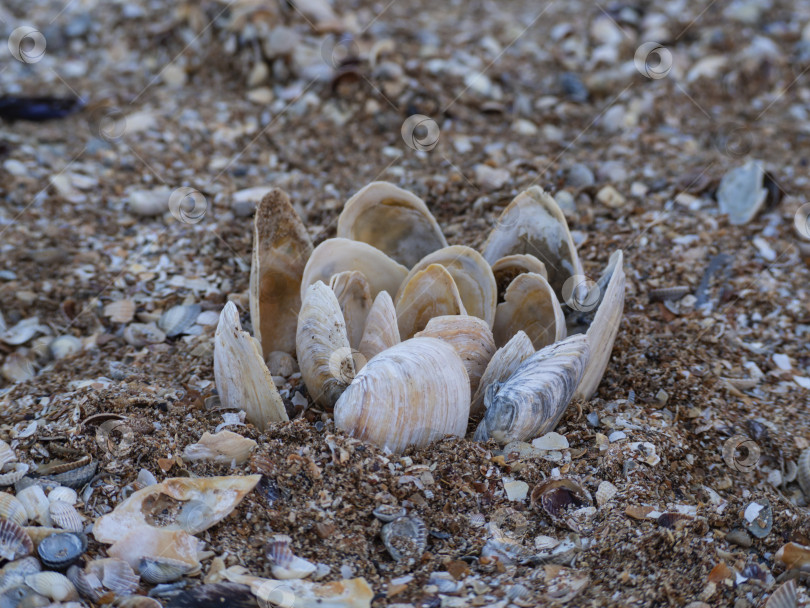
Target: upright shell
<point x="533" y="223"/>
<point x="532" y="400"/>
<point x="324" y="353"/>
<point x="529" y="305"/>
<point x="510" y="266"/>
<point x="382" y="330"/>
<point x="469" y="336"/>
<point x="501" y="366"/>
<point x="393" y="220"/>
<point x="428" y="293"/>
<point x="281" y="248"/>
<point x="352" y="292"/>
<point x="409" y="395"/>
<point x="242" y="378"/>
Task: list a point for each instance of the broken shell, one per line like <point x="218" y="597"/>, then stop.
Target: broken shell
<point x="40" y="533"/>
<point x="144" y="540"/>
<point x="18" y="368"/>
<point x="223" y="447"/>
<point x="509" y="267"/>
<point x="138" y="601"/>
<point x="405" y="538"/>
<point x="12" y="509"/>
<point x="409" y="395"/>
<point x="141" y="334"/>
<point x="605" y="492"/>
<point x="555" y="495"/>
<point x="14" y="573"/>
<point x="387" y="513"/>
<point x="502" y="365"/>
<point x="393" y="220"/>
<point x="338" y="255"/>
<point x="533" y="223"/>
<point x="529" y="305"/>
<point x="22" y="332"/>
<point x="53" y="585"/>
<point x="324" y="353"/>
<point x="758" y="517"/>
<point x="428" y="293"/>
<point x="36" y="504"/>
<point x="281" y="248"/>
<point x="121" y="311"/>
<point x="64" y="494"/>
<point x="803" y="472"/>
<point x="6" y="454"/>
<point x="602" y="331"/>
<point x="285" y="564"/>
<point x="381" y="331"/>
<point x="472" y="275"/>
<point x="64" y="346"/>
<point x="532" y="400"/>
<point x="352" y="293"/>
<point x="178" y="319"/>
<point x="14" y="541"/>
<point x="241" y="376"/>
<point x="116" y="575"/>
<point x="75" y="475"/>
<point x="469" y="336"/>
<point x="785" y="596"/>
<point x="353" y="593"/>
<point x="58" y="551"/>
<point x="157" y="570"/>
<point x="12" y="473"/>
<point x="65" y="516"/>
<point x="794" y="556"/>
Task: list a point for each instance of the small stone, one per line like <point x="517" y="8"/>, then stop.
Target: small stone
<point x="613" y="119"/>
<point x="174" y="76"/>
<point x="281" y="41"/>
<point x="616" y="436"/>
<point x="243" y="208"/>
<point x="261" y="96"/>
<point x="741" y="194"/>
<point x="147" y="203"/>
<point x="281" y="364"/>
<point x="551" y="441"/>
<point x="566" y="201"/>
<point x="524" y="127"/>
<point x="515" y="490"/>
<point x="580" y="176"/>
<point x="609" y="196"/>
<point x="782" y="361"/>
<point x="489" y="178"/>
<point x="15" y="167"/>
<point x="739" y="537"/>
<point x="612" y="171"/>
<point x="593" y="419"/>
<point x="662" y="396"/>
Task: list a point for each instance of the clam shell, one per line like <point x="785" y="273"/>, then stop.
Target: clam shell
<point x="532" y="400"/>
<point x="285" y="564"/>
<point x="472" y="275"/>
<point x="555" y="495"/>
<point x="281" y="248"/>
<point x="138" y="601"/>
<point x="507" y="268"/>
<point x="12" y="509"/>
<point x="469" y="336"/>
<point x="381" y="331"/>
<point x="116" y="575"/>
<point x="36" y="504"/>
<point x="65" y="516"/>
<point x="14" y="573"/>
<point x="339" y="255"/>
<point x="409" y="395"/>
<point x="393" y="220"/>
<point x="531" y="306"/>
<point x="64" y="346"/>
<point x="14" y="541"/>
<point x="53" y="585"/>
<point x="352" y="593"/>
<point x="6" y="454"/>
<point x="352" y="292"/>
<point x="794" y="556"/>
<point x="75" y="477"/>
<point x="534" y="224"/>
<point x="88" y="585"/>
<point x="64" y="494"/>
<point x="141" y="334"/>
<point x="430" y="292"/>
<point x="602" y="331"/>
<point x="178" y="319"/>
<point x="803" y="472"/>
<point x="785" y="596"/>
<point x="324" y="353"/>
<point x="58" y="551"/>
<point x="146" y="541"/>
<point x="405" y="538"/>
<point x="605" y="492"/>
<point x="241" y="376"/>
<point x="157" y="570"/>
<point x="121" y="311"/>
<point x="223" y="447"/>
<point x="18" y="368"/>
<point x="22" y="332"/>
<point x="502" y="365"/>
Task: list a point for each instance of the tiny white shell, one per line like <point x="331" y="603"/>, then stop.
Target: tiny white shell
<point x="64" y="346"/>
<point x="63" y="494"/>
<point x="287" y="565"/>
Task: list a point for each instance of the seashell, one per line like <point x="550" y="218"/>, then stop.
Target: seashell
<point x="141" y="334"/>
<point x="472" y="275"/>
<point x="22" y="332"/>
<point x="534" y="224"/>
<point x="409" y="395"/>
<point x="40" y="533"/>
<point x="405" y="538"/>
<point x="352" y="293"/>
<point x="534" y="398"/>
<point x="12" y="509"/>
<point x="207" y="500"/>
<point x="144" y="540"/>
<point x="88" y="585"/>
<point x="115" y="574"/>
<point x="157" y="570"/>
<point x="803" y="472"/>
<point x="58" y="551"/>
<point x="36" y="504"/>
<point x="14" y="573"/>
<point x="280" y="363"/>
<point x="65" y="516"/>
<point x="351" y="593"/>
<point x="393" y="220"/>
<point x="241" y="376"/>
<point x="387" y="513"/>
<point x="6" y="454"/>
<point x="177" y="320"/>
<point x="223" y="447"/>
<point x="339" y="255"/>
<point x="794" y="556"/>
<point x="138" y="601"/>
<point x="17" y="368"/>
<point x="758" y="518"/>
<point x="785" y="596"/>
<point x="120" y="311"/>
<point x="531" y="306"/>
<point x="324" y="353"/>
<point x="64" y="494"/>
<point x="76" y="476"/>
<point x="605" y="492"/>
<point x="285" y="564"/>
<point x="64" y="346"/>
<point x="469" y="336"/>
<point x="742" y="192"/>
<point x="14" y="541"/>
<point x="556" y="495"/>
<point x="281" y="248"/>
<point x="53" y="585"/>
<point x="428" y="293"/>
<point x="382" y="330"/>
<point x="509" y="267"/>
<point x="605" y="325"/>
<point x="12" y="473"/>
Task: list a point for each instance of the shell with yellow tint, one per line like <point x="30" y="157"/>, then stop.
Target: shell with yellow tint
<point x="531" y="306"/>
<point x="430" y="292"/>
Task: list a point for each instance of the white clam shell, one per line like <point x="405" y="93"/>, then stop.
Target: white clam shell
<point x="242" y="378"/>
<point x="409" y="395"/>
<point x="22" y="332"/>
<point x="510" y="266"/>
<point x="178" y="319"/>
<point x="141" y="334"/>
<point x="281" y="248"/>
<point x="120" y="311"/>
<point x="18" y="367"/>
<point x="393" y="220"/>
<point x="52" y="585"/>
<point x="532" y="400"/>
<point x="324" y="353"/>
<point x="502" y="365"/>
<point x="63" y="494"/>
<point x="430" y="292"/>
<point x="381" y="331"/>
<point x="65" y="516"/>
<point x="64" y="346"/>
<point x="7" y="454"/>
<point x="12" y="509"/>
<point x="223" y="447"/>
<point x="354" y="296"/>
<point x="531" y="306"/>
<point x="36" y="504"/>
<point x="285" y="564"/>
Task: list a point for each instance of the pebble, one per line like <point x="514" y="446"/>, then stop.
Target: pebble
<point x="573" y="88"/>
<point x="524" y="127"/>
<point x="281" y="364"/>
<point x="147" y="203"/>
<point x="174" y="76"/>
<point x="610" y="197"/>
<point x="551" y="441"/>
<point x="616" y="436"/>
<point x="580" y="176"/>
<point x="281" y="41"/>
<point x="612" y="171"/>
<point x="782" y="361"/>
<point x="489" y="178"/>
<point x="261" y="95"/>
<point x="566" y="201"/>
<point x="739" y="537"/>
<point x="515" y="490"/>
<point x="741" y="194"/>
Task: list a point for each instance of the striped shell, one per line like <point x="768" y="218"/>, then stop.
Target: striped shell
<point x="53" y="585"/>
<point x="803" y="472"/>
<point x="6" y="454"/>
<point x="381" y="331"/>
<point x="60" y="550"/>
<point x="63" y="494"/>
<point x="36" y="504"/>
<point x="12" y="509"/>
<point x="158" y="570"/>
<point x="12" y="473"/>
<point x="285" y="564"/>
<point x="785" y="596"/>
<point x="14" y="541"/>
<point x="65" y="516"/>
<point x="405" y="538"/>
<point x="178" y="319"/>
<point x="502" y="365"/>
